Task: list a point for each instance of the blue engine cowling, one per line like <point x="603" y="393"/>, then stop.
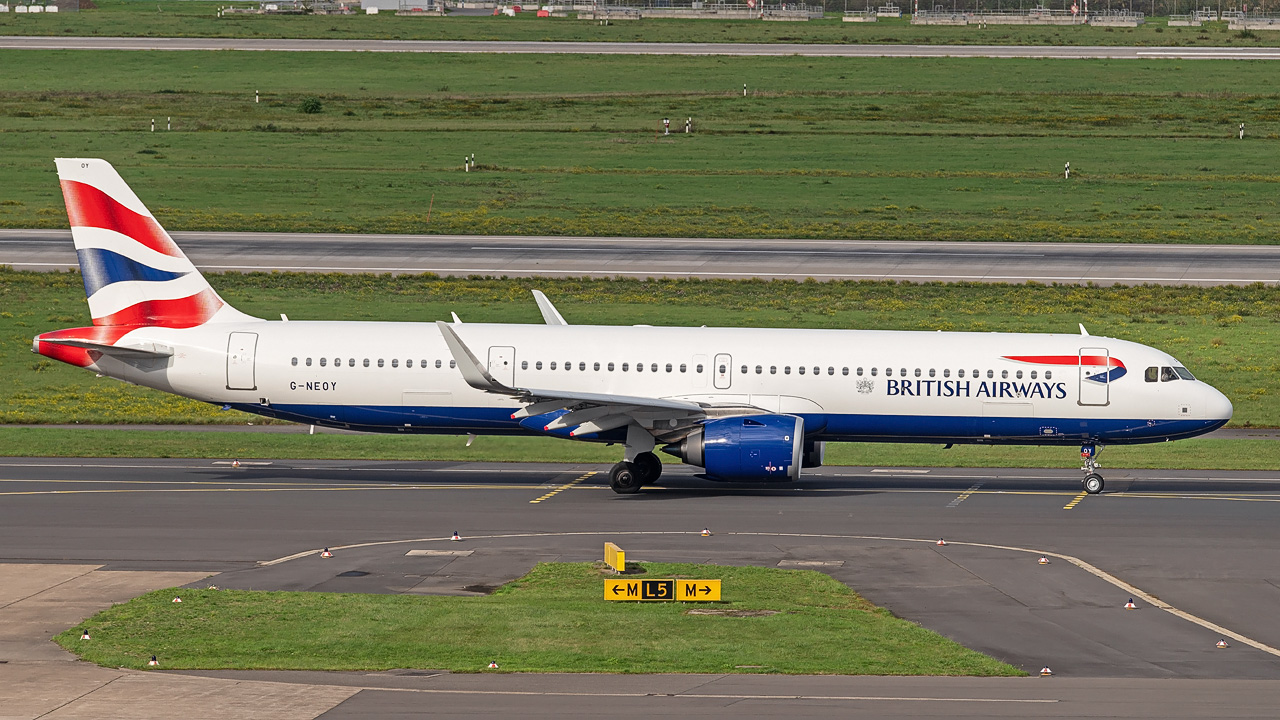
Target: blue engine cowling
<point x="755" y="448"/>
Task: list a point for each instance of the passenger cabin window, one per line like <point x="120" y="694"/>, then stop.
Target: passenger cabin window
<point x="380" y="362"/>
<point x="366" y="362"/>
<point x="654" y="368"/>
<point x="524" y="365"/>
<point x="698" y="369"/>
<point x="1018" y="374"/>
<point x="596" y="367"/>
<point x="932" y="372"/>
<point x="453" y="363"/>
<point x="536" y="366"/>
<point x="684" y="367"/>
<point x="323" y="359"/>
<point x="873" y="372"/>
<point x="308" y="362"/>
<point x="295" y="361"/>
<point x="1004" y="374"/>
<point x="800" y="369"/>
<point x="553" y="365"/>
<point x="888" y="372"/>
<point x="786" y="370"/>
<point x="610" y="367"/>
<point x="583" y="366"/>
<point x="1048" y="374"/>
<point x="759" y="370"/>
<point x="845" y="371"/>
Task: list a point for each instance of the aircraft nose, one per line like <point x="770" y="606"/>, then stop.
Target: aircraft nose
<point x="1217" y="406"/>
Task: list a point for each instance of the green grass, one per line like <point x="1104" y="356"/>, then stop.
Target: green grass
<point x="1227" y="336"/>
<point x="198" y="19"/>
<point x="947" y="149"/>
<point x="552" y="620"/>
<point x="1194" y="454"/>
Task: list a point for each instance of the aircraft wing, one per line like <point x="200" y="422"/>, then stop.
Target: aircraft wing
<point x="588" y="412"/>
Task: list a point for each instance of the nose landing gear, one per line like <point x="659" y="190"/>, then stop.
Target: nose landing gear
<point x="1093" y="482"/>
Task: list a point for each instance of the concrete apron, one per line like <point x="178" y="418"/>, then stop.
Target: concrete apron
<point x="38" y="679"/>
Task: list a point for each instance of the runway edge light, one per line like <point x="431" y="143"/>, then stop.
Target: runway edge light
<point x="176" y="599"/>
<point x="941" y="542"/>
<point x="456" y="537"/>
<point x="325" y="553"/>
<point x="706" y="532"/>
<point x="1130" y="606"/>
<point x="1044" y="560"/>
<point x="84" y="635"/>
<point x="493" y="664"/>
<point x="1221" y="644"/>
<point x="1045" y="671"/>
<point x="153" y="662"/>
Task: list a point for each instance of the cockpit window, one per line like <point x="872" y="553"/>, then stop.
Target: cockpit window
<point x="1152" y="374"/>
<point x="1167" y="374"/>
<point x="1184" y="373"/>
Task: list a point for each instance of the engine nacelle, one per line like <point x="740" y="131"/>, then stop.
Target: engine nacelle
<point x="755" y="448"/>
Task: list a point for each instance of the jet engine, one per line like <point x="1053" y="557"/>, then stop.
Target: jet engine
<point x="755" y="448"/>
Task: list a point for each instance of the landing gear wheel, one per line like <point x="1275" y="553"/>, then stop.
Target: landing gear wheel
<point x="1093" y="483"/>
<point x="624" y="479"/>
<point x="648" y="467"/>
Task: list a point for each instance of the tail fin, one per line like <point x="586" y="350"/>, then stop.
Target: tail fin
<point x="133" y="272"/>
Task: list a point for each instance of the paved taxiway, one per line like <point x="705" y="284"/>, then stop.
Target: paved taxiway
<point x="640" y="48"/>
<point x="537" y="256"/>
<point x="1204" y="543"/>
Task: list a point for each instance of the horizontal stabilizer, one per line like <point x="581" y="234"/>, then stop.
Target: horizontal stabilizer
<point x="142" y="351"/>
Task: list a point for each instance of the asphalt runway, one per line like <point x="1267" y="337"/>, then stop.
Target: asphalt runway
<point x="1204" y="544"/>
<point x="520" y="256"/>
<point x="640" y="48"/>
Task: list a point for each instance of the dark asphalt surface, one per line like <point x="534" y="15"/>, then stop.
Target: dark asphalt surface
<point x="636" y="48"/>
<point x="517" y="256"/>
<point x="1204" y="542"/>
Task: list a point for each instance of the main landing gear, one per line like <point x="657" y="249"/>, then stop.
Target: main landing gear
<point x="1092" y="480"/>
<point x="640" y="467"/>
<point x="629" y="476"/>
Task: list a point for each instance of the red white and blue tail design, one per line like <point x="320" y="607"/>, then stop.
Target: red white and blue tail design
<point x="134" y="274"/>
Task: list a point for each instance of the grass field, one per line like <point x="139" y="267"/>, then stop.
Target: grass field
<point x="552" y="620"/>
<point x="1229" y="337"/>
<point x="945" y="149"/>
<point x="1194" y="454"/>
<point x="198" y="19"/>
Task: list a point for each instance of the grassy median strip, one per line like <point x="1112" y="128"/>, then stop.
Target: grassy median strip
<point x="1228" y="336"/>
<point x="1194" y="454"/>
<point x="552" y="620"/>
<point x="882" y="148"/>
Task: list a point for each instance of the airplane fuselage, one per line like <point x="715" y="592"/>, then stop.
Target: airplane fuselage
<point x="848" y="385"/>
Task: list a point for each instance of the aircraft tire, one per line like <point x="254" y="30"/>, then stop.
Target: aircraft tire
<point x="648" y="467"/>
<point x="1093" y="483"/>
<point x="624" y="479"/>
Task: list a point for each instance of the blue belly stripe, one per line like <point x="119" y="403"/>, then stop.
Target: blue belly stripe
<point x="828" y="426"/>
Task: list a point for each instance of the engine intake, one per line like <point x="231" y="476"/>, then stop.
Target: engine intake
<point x="754" y="448"/>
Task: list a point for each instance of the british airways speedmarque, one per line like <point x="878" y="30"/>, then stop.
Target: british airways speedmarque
<point x="746" y="405"/>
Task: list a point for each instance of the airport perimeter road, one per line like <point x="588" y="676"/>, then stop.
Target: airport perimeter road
<point x="640" y="48"/>
<point x="518" y="256"/>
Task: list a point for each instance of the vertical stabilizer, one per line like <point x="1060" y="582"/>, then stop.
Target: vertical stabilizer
<point x="134" y="274"/>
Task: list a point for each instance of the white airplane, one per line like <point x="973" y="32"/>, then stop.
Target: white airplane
<point x="747" y="405"/>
